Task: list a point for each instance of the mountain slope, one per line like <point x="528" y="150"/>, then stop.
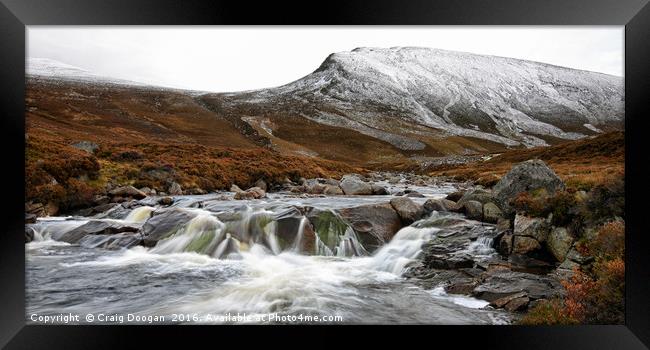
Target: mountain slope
<point x="411" y="98"/>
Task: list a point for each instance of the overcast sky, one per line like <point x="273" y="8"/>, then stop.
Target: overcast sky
<point x="225" y="59"/>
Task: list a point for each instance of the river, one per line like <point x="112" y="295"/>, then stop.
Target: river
<point x="261" y="281"/>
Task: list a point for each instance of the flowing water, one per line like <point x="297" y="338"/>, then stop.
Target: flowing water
<point x="229" y="264"/>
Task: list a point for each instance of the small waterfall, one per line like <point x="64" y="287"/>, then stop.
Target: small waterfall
<point x="482" y="246"/>
<point x="300" y="235"/>
<point x="405" y="246"/>
<point x="140" y="214"/>
<point x="202" y="234"/>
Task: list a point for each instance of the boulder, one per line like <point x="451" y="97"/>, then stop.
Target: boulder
<point x="353" y="185"/>
<point x="379" y="190"/>
<point x="504" y="246"/>
<point x="407" y="210"/>
<point x="491" y="213"/>
<point x="501" y="302"/>
<point x="447" y="262"/>
<point x="175" y="189"/>
<point x="528" y="176"/>
<point x="473" y="210"/>
<point x="114" y="241"/>
<point x="517" y="304"/>
<point x="164" y="223"/>
<point x="126" y="192"/>
<point x="96" y="227"/>
<point x="439" y="205"/>
<point x="235" y="188"/>
<point x="374" y="224"/>
<point x="537" y="228"/>
<point x="559" y="242"/>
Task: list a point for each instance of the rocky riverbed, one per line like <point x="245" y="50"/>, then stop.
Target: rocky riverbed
<point x="382" y="248"/>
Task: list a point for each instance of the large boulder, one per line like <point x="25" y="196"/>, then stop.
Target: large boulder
<point x="531" y="175"/>
<point x="374" y="224"/>
<point x="127" y="191"/>
<point x="379" y="190"/>
<point x="96" y="227"/>
<point x="407" y="209"/>
<point x="353" y="185"/>
<point x="163" y="224"/>
<point x="559" y="242"/>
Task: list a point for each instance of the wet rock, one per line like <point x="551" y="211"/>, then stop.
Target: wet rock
<point x="332" y="190"/>
<point x="166" y="201"/>
<point x="95" y="227"/>
<point x="473" y="210"/>
<point x="127" y="192"/>
<point x="164" y="223"/>
<point x="104" y="207"/>
<point x="559" y="242"/>
<point x="353" y="185"/>
<point x="115" y="241"/>
<point x="528" y="176"/>
<point x="491" y="213"/>
<point x="379" y="190"/>
<point x="175" y="189"/>
<point x="394" y="180"/>
<point x="501" y="284"/>
<point x="295" y="232"/>
<point x="438" y="205"/>
<point x="375" y="224"/>
<point x="407" y="210"/>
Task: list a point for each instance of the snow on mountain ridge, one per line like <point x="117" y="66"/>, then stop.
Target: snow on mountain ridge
<point x="53" y="69"/>
<point x="500" y="99"/>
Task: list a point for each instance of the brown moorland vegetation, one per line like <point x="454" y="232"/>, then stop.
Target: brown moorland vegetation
<point x="581" y="164"/>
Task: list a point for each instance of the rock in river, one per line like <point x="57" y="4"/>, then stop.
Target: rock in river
<point x="96" y="227"/>
<point x="407" y="210"/>
<point x="353" y="185"/>
<point x="164" y="223"/>
<point x="375" y="224"/>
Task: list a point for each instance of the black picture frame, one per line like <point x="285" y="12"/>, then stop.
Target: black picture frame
<point x="15" y="15"/>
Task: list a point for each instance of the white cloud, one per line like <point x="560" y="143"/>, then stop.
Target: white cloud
<point x="241" y="58"/>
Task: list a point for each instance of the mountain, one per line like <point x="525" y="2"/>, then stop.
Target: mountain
<point x="46" y="68"/>
<point x="368" y="107"/>
<point x="411" y="97"/>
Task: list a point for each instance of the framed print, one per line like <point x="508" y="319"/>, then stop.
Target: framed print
<point x="448" y="168"/>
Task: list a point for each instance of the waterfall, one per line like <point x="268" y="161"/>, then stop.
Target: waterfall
<point x="140" y="214"/>
<point x="405" y="246"/>
<point x="300" y="235"/>
<point x="202" y="234"/>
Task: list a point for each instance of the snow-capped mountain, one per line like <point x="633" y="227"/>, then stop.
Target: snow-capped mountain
<point x="52" y="69"/>
<point x="400" y="95"/>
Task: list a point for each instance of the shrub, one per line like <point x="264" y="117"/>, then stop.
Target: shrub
<point x="547" y="312"/>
